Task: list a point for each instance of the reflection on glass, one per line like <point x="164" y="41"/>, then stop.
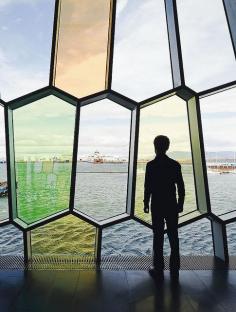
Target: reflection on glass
<point x="26" y="36"/>
<point x="102" y="167"/>
<point x="231" y="238"/>
<point x="167" y="117"/>
<point x="207" y="50"/>
<point x="43" y="136"/>
<point x="128" y="238"/>
<point x="11" y="241"/>
<point x="219" y="128"/>
<point x="82" y="46"/>
<point x="141" y="67"/>
<point x="194" y="239"/>
<point x="3" y="170"/>
<point x="66" y="236"/>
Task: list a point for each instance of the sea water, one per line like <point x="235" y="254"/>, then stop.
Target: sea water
<point x="106" y="185"/>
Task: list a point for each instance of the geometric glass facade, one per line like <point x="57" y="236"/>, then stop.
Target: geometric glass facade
<point x="73" y="151"/>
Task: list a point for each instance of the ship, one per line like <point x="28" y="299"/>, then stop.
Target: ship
<point x="98" y="158"/>
<point x="222" y="168"/>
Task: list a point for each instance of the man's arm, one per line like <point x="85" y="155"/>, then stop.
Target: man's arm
<point x="147" y="189"/>
<point x="181" y="189"/>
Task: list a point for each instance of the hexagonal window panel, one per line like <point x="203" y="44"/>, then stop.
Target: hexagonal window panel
<point x="11" y="241"/>
<point x="137" y="71"/>
<point x="102" y="161"/>
<point x="83" y="38"/>
<point x="26" y="30"/>
<point x="218" y="113"/>
<point x="166" y="117"/>
<point x="68" y="236"/>
<point x="127" y="238"/>
<point x="3" y="170"/>
<point x="197" y="242"/>
<point x="43" y="138"/>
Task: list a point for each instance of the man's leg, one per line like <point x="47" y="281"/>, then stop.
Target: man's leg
<point x="158" y="241"/>
<point x="172" y="232"/>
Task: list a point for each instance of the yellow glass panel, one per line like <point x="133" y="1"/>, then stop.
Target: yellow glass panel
<point x="167" y="117"/>
<point x="81" y="60"/>
<point x="68" y="236"/>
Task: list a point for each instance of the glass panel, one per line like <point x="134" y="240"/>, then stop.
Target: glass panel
<point x="11" y="241"/>
<point x="43" y="136"/>
<point x="102" y="167"/>
<point x="167" y="117"/>
<point x="207" y="50"/>
<point x="231" y="238"/>
<point x="3" y="170"/>
<point x="127" y="238"/>
<point x="141" y="67"/>
<point x="26" y="37"/>
<point x="65" y="236"/>
<point x="194" y="239"/>
<point x="219" y="128"/>
<point x="82" y="46"/>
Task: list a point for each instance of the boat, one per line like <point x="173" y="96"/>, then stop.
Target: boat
<point x="222" y="168"/>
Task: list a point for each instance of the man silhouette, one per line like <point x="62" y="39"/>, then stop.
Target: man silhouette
<point x="162" y="176"/>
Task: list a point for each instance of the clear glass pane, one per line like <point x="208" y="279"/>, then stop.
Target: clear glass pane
<point x="26" y="38"/>
<point x="11" y="241"/>
<point x="43" y="136"/>
<point x="167" y="117"/>
<point x="141" y="67"/>
<point x="3" y="170"/>
<point x="68" y="236"/>
<point x="206" y="45"/>
<point x="219" y="128"/>
<point x="82" y="46"/>
<point x="127" y="238"/>
<point x="102" y="166"/>
<point x="194" y="239"/>
<point x="231" y="238"/>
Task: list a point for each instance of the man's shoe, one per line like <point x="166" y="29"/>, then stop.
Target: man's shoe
<point x="157" y="273"/>
<point x="174" y="273"/>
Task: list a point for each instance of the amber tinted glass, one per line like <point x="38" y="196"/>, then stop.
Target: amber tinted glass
<point x="66" y="236"/>
<point x="82" y="46"/>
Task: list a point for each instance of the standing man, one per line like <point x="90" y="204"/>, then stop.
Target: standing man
<point x="162" y="176"/>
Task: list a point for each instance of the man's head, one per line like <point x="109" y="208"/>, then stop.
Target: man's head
<point x="161" y="144"/>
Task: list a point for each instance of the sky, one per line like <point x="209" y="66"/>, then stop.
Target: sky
<point x="25" y="46"/>
<point x="167" y="117"/>
<point x="141" y="66"/>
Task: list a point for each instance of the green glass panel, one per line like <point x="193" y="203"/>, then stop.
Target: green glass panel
<point x="102" y="166"/>
<point x="3" y="169"/>
<point x="218" y="113"/>
<point x="167" y="117"/>
<point x="65" y="236"/>
<point x="43" y="136"/>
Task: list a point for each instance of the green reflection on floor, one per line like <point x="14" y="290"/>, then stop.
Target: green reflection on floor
<point x="43" y="188"/>
<point x="66" y="236"/>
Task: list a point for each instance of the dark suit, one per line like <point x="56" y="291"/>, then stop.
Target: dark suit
<point x="162" y="176"/>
